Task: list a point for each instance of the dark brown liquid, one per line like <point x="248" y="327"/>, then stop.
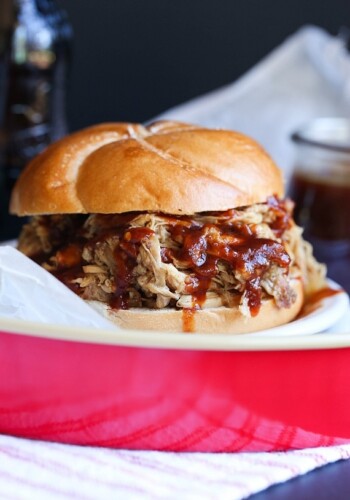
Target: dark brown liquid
<point x="323" y="210"/>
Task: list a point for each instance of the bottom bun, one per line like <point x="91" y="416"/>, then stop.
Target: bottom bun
<point x="214" y="320"/>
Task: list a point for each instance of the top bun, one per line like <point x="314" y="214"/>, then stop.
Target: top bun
<point x="167" y="166"/>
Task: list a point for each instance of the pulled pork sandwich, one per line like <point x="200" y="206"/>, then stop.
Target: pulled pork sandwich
<point x="167" y="227"/>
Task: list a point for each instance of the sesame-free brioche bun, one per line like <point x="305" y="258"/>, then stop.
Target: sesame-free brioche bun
<point x="211" y="320"/>
<point x="167" y="166"/>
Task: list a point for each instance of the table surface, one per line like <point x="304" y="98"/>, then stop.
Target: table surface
<point x="328" y="482"/>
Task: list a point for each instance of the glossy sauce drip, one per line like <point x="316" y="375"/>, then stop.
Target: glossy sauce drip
<point x="125" y="256"/>
<point x="323" y="293"/>
<point x="314" y="301"/>
<point x="188" y="320"/>
<point x="253" y="291"/>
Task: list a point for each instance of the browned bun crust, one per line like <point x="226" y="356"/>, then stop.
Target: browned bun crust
<point x="214" y="320"/>
<point x="170" y="167"/>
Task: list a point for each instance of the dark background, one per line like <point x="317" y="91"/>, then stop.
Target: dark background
<point x="133" y="59"/>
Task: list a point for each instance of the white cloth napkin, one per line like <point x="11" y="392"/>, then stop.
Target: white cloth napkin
<point x="307" y="76"/>
<point x="34" y="469"/>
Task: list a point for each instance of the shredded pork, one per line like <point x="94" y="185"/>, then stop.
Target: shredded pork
<point x="99" y="260"/>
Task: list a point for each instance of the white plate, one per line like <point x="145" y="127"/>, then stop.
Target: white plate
<point x="331" y="314"/>
<point x="298" y="334"/>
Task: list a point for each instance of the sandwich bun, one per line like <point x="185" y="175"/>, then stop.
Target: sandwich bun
<point x="213" y="320"/>
<point x="167" y="167"/>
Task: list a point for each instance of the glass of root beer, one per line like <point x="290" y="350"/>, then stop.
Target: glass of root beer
<point x="320" y="187"/>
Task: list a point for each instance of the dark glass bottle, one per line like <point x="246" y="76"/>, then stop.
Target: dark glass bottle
<point x="35" y="42"/>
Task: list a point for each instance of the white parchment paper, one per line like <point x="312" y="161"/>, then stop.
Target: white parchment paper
<point x="30" y="293"/>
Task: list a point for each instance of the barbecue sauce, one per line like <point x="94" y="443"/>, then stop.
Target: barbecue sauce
<point x="203" y="247"/>
<point x="314" y="301"/>
<point x="130" y="241"/>
<point x="322" y="208"/>
<point x="69" y="262"/>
